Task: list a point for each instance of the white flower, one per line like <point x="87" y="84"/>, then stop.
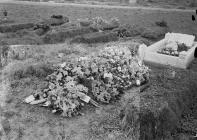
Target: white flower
<point x="138" y="83"/>
<point x="119" y="68"/>
<point x="63" y="64"/>
<point x="108" y="75"/>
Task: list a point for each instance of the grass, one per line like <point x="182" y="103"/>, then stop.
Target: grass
<point x="20" y="37"/>
<point x="69" y="51"/>
<point x="98" y="37"/>
<point x="16" y="27"/>
<point x="27" y="69"/>
<point x="107" y="125"/>
<point x="61" y="36"/>
<point x="7" y="21"/>
<point x="177" y="92"/>
<point x="161" y="23"/>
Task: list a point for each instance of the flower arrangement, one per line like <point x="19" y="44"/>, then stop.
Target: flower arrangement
<point x="111" y="71"/>
<point x="174" y="49"/>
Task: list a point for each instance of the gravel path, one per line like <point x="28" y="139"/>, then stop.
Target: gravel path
<point x="97" y="6"/>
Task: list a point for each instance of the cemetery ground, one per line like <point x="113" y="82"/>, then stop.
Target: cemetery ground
<point x="23" y="76"/>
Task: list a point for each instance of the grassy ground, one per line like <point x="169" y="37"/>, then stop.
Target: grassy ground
<point x="26" y="75"/>
<point x="178" y="21"/>
<point x="34" y="122"/>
